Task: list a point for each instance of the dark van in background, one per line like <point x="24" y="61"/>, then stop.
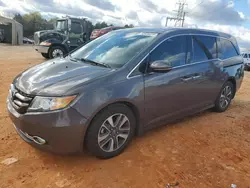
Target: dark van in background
<point x="69" y="33"/>
<point x="122" y="84"/>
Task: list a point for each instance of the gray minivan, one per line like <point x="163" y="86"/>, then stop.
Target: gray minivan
<point x="122" y="84"/>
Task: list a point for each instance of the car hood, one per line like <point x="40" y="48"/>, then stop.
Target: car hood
<point x="58" y="77"/>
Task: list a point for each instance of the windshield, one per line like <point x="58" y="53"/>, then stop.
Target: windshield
<point x="115" y="48"/>
<point x="61" y="25"/>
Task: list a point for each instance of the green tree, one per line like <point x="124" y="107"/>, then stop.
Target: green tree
<point x="31" y="22"/>
<point x="34" y="22"/>
<point x="51" y="23"/>
<point x="18" y="17"/>
<point x="52" y="20"/>
<point x="100" y="25"/>
<point x="129" y="26"/>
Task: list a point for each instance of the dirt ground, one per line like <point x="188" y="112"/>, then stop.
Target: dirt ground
<point x="206" y="150"/>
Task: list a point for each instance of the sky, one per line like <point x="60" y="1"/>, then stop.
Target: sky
<point x="230" y="16"/>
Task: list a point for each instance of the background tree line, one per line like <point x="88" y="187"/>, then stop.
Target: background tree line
<point x="33" y="22"/>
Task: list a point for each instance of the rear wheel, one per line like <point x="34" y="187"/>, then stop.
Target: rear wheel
<point x="56" y="51"/>
<point x="111" y="131"/>
<point x="225" y="97"/>
<point x="45" y="55"/>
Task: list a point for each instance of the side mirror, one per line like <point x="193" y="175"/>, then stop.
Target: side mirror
<point x="159" y="66"/>
<point x="69" y="25"/>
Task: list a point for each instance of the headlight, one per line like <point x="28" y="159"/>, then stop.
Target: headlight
<point x="45" y="43"/>
<point x="42" y="104"/>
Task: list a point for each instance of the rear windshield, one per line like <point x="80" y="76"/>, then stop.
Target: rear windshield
<point x="115" y="48"/>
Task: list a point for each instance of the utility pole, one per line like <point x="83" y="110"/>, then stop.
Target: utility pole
<point x="180" y="17"/>
<point x="183" y="19"/>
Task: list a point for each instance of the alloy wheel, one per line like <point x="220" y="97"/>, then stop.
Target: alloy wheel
<point x="114" y="132"/>
<point x="226" y="96"/>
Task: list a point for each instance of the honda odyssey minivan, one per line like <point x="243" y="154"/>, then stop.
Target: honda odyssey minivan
<point x="122" y="84"/>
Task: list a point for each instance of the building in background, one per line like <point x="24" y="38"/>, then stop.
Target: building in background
<point x="11" y="30"/>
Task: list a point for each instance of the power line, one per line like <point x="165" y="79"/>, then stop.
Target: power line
<point x="215" y="11"/>
<point x="192" y="9"/>
<point x="210" y="13"/>
<point x="203" y="2"/>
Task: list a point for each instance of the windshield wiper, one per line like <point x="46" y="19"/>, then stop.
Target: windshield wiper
<point x="95" y="63"/>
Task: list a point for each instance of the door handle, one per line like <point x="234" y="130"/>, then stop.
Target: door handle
<point x="186" y="79"/>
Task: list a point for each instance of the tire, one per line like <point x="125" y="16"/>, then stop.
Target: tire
<point x="56" y="51"/>
<point x="46" y="56"/>
<point x="225" y="97"/>
<point x="100" y="137"/>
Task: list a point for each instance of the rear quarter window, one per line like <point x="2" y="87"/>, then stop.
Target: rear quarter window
<point x="226" y="49"/>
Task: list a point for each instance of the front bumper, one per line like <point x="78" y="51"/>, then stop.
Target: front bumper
<point x="62" y="130"/>
<point x="42" y="49"/>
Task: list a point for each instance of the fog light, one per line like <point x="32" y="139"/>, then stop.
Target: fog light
<point x="36" y="139"/>
<point x="39" y="140"/>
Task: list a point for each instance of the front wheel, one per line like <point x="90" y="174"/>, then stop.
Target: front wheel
<point x="56" y="51"/>
<point x="225" y="97"/>
<point x="111" y="131"/>
<point x="45" y="55"/>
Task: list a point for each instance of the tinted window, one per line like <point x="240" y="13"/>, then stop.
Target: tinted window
<point x="172" y="51"/>
<point x="115" y="48"/>
<point x="245" y="55"/>
<point x="76" y="28"/>
<point x="198" y="52"/>
<point x="248" y="55"/>
<point x="227" y="49"/>
<point x="204" y="48"/>
<point x="61" y="25"/>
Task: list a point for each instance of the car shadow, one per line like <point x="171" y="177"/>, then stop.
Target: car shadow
<point x="74" y="158"/>
<point x="85" y="159"/>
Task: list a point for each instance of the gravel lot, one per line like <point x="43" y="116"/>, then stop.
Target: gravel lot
<point x="206" y="150"/>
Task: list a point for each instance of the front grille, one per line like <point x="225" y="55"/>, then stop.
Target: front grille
<point x="19" y="100"/>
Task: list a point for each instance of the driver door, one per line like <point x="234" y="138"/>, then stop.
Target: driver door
<point x="170" y="94"/>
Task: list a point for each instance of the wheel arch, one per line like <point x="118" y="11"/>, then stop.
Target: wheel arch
<point x="233" y="81"/>
<point x="59" y="44"/>
<point x="130" y="105"/>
